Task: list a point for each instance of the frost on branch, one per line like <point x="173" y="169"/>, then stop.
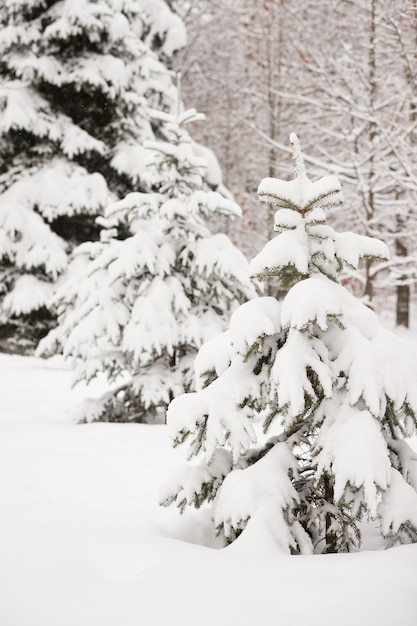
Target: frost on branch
<point x="336" y="393"/>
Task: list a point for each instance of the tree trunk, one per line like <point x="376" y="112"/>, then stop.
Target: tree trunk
<point x="403" y="293"/>
<point x="331" y="537"/>
<point x="372" y="132"/>
<point x="369" y="288"/>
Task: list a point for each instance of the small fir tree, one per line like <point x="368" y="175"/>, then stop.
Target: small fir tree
<point x="336" y="389"/>
<point x="77" y="82"/>
<point x="154" y="289"/>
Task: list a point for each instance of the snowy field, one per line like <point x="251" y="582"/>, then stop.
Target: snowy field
<point x="84" y="543"/>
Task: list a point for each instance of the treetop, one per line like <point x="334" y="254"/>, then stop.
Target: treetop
<point x="300" y="194"/>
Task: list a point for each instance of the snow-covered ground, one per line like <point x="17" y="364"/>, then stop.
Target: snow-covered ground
<point x="84" y="543"/>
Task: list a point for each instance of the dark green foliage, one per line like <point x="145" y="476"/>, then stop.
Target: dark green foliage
<point x="77" y="85"/>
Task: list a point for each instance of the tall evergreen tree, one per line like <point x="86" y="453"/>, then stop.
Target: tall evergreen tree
<point x="77" y="81"/>
<point x="336" y="387"/>
<point x="154" y="289"/>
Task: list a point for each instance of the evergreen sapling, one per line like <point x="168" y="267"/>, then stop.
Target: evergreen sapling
<point x="336" y="393"/>
<point x="154" y="288"/>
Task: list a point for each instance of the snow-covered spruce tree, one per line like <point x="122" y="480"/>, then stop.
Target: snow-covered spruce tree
<point x="77" y="80"/>
<point x="338" y="391"/>
<point x="157" y="286"/>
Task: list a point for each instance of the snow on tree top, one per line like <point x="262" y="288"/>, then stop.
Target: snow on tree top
<point x="300" y="194"/>
<point x="305" y="244"/>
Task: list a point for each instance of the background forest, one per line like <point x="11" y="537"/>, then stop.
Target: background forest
<point x="343" y="75"/>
